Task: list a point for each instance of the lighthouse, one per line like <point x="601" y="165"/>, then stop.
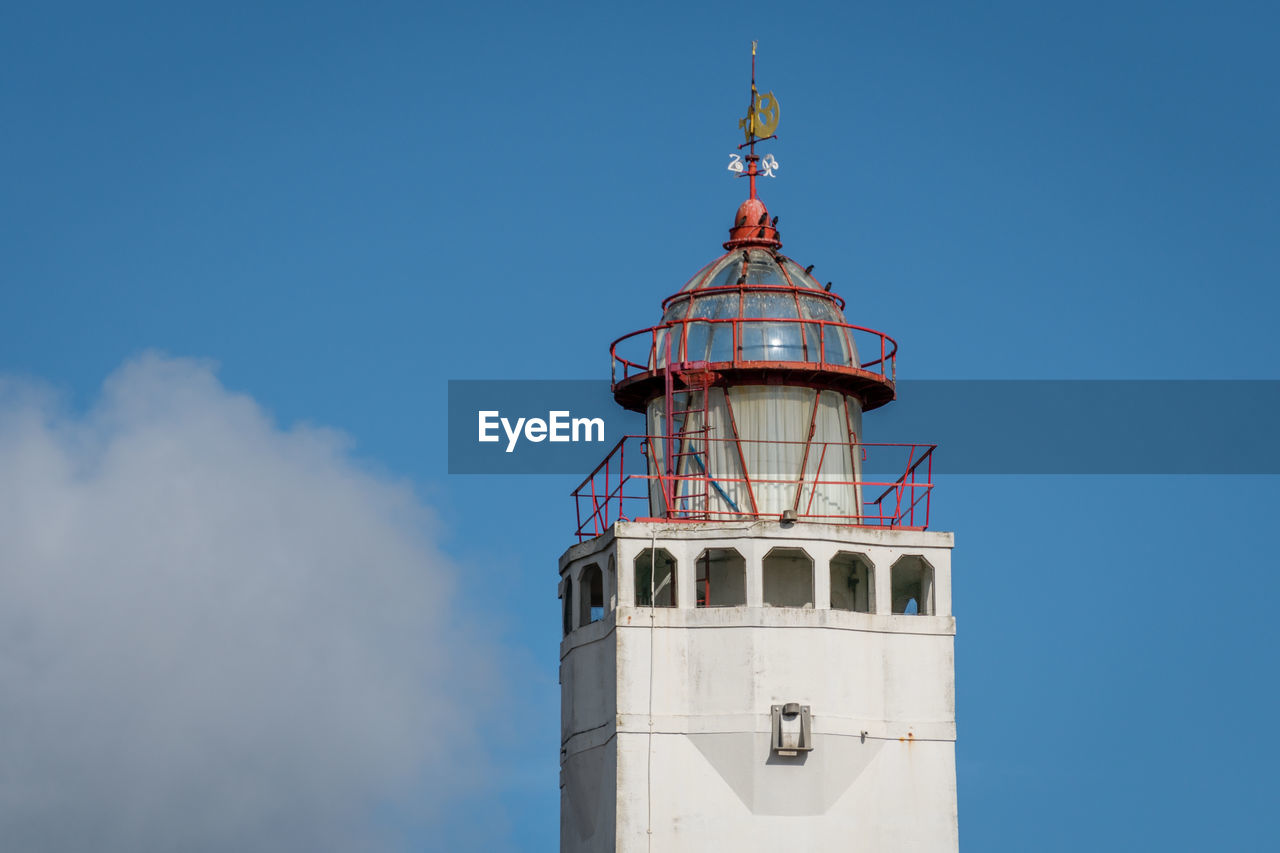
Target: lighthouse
<point x="757" y="648"/>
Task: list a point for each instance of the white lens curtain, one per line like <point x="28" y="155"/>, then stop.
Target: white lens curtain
<point x="787" y="468"/>
<point x="832" y="466"/>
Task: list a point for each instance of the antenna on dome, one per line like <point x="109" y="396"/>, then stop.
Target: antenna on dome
<point x="759" y="125"/>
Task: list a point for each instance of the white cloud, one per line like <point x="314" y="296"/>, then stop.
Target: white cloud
<point x="214" y="634"/>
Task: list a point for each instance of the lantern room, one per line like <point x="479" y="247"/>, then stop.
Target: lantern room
<point x="755" y="314"/>
<point x="753" y="385"/>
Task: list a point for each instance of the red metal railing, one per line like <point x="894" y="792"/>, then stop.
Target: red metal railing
<point x="633" y="485"/>
<point x="742" y="342"/>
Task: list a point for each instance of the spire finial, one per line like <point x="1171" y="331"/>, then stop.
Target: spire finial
<point x="759" y="126"/>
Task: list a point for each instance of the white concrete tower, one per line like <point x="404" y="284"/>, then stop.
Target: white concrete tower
<point x="758" y="639"/>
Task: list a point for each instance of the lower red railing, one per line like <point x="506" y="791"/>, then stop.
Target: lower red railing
<point x="614" y="492"/>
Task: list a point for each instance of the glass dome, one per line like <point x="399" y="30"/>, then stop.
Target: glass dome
<point x="761" y="267"/>
<point x="758" y="284"/>
<point x="751" y="316"/>
<point x="753" y="283"/>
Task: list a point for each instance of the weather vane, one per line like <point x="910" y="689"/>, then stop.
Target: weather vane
<point x="760" y="125"/>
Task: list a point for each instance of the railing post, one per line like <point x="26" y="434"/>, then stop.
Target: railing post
<point x="577" y="511"/>
<point x="595" y="509"/>
<point x="912" y="510"/>
<point x="928" y="496"/>
<point x="669" y="426"/>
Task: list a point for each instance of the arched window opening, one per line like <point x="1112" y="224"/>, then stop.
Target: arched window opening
<point x="590" y="595"/>
<point x="788" y="578"/>
<point x="613" y="584"/>
<point x="911" y="586"/>
<point x="852" y="583"/>
<point x="567" y="601"/>
<point x="721" y="578"/>
<point x="655" y="578"/>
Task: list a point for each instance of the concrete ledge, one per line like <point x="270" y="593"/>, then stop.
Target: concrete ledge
<point x="633" y="618"/>
<point x="841" y="533"/>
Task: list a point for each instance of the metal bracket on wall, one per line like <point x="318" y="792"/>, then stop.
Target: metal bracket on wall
<point x="792" y="729"/>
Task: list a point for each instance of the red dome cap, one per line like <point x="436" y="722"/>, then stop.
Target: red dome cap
<point x="752" y="227"/>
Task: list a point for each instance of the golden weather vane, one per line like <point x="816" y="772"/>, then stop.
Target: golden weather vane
<point x="761" y="124"/>
<point x="762" y="119"/>
<point x="762" y="113"/>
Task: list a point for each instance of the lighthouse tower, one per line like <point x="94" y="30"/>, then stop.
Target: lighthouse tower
<point x="758" y="638"/>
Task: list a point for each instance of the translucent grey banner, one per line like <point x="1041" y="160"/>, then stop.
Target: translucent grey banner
<point x="980" y="426"/>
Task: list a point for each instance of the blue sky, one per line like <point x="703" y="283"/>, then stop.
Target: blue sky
<point x="346" y="205"/>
